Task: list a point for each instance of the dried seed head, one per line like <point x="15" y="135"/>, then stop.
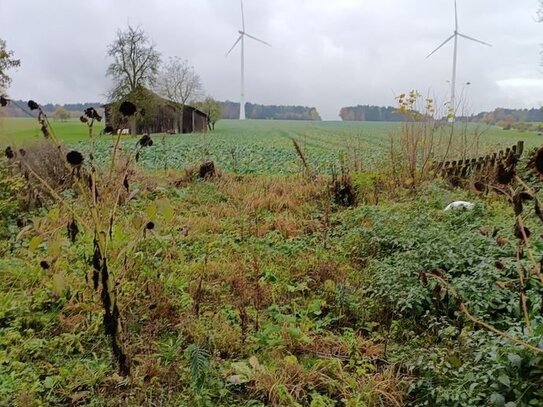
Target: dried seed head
<point x="32" y="105"/>
<point x="127" y="108"/>
<point x="91" y="113"/>
<point x="83" y="119"/>
<point x="455" y="181"/>
<point x="145" y="141"/>
<point x="519" y="230"/>
<point x="525" y="195"/>
<point x="538" y="211"/>
<point x="479" y="186"/>
<point x="517" y="203"/>
<point x="22" y="151"/>
<point x="44" y="265"/>
<point x="75" y="158"/>
<point x="537" y="161"/>
<point x="3" y="101"/>
<point x="505" y="174"/>
<point x="9" y="153"/>
<point x="150" y="225"/>
<point x="73" y="230"/>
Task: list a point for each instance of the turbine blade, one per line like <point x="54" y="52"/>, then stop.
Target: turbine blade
<point x="256" y="39"/>
<point x="242" y="16"/>
<point x="455" y="17"/>
<point x="440" y="45"/>
<point x="475" y="39"/>
<point x="233" y="46"/>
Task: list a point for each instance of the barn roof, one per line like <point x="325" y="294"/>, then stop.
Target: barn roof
<point x="161" y="100"/>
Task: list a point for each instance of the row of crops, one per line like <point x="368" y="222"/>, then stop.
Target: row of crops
<point x="249" y="150"/>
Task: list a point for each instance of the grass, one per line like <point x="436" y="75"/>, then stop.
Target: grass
<point x="239" y="271"/>
<point x="22" y="130"/>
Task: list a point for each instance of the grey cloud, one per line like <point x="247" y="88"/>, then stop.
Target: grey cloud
<point x="326" y="53"/>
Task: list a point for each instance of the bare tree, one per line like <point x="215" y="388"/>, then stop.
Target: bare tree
<point x="179" y="82"/>
<point x="135" y="62"/>
<point x="6" y="62"/>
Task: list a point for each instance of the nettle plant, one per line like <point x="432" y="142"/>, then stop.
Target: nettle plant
<point x="521" y="191"/>
<point x="91" y="196"/>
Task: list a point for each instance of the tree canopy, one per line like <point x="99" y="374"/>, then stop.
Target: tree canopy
<point x="179" y="82"/>
<point x="7" y="61"/>
<point x="213" y="110"/>
<point x="135" y="62"/>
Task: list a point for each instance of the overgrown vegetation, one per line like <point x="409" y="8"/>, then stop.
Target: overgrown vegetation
<point x="308" y="289"/>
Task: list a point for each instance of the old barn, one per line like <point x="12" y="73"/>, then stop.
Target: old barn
<point x="157" y="115"/>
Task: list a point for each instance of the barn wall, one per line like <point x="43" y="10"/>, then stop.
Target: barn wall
<point x="167" y="118"/>
<point x="194" y="121"/>
<point x="200" y="122"/>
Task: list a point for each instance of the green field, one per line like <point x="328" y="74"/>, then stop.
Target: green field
<point x="256" y="146"/>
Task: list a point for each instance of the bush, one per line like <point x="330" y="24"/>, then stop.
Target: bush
<point x="10" y="187"/>
<point x="44" y="162"/>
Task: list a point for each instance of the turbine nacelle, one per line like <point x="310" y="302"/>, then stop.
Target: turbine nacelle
<point x="455" y="36"/>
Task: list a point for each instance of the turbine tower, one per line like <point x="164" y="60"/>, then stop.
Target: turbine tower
<point x="455" y="36"/>
<point x="241" y="38"/>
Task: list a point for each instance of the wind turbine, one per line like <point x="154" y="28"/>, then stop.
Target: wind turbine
<point x="455" y="36"/>
<point x="241" y="38"/>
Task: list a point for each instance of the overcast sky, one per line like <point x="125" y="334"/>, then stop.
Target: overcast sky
<point x="325" y="53"/>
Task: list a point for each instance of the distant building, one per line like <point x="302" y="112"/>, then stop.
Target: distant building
<point x="159" y="115"/>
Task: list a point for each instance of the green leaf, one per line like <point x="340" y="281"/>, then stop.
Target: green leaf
<point x="151" y="211"/>
<point x="49" y="382"/>
<point x="59" y="284"/>
<point x="165" y="209"/>
<point x="54" y="214"/>
<point x="34" y="243"/>
<point x="497" y="399"/>
<point x="53" y="249"/>
<point x="504" y="379"/>
<point x="294" y="332"/>
<point x="515" y="359"/>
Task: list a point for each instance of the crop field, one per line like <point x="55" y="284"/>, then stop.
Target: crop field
<point x="257" y="146"/>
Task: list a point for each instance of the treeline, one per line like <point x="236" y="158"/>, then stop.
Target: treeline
<point x="368" y="113"/>
<point x="498" y="116"/>
<point x="502" y="115"/>
<point x="230" y="110"/>
<point x="13" y="110"/>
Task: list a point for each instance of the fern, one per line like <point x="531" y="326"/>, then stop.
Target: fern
<point x="198" y="359"/>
